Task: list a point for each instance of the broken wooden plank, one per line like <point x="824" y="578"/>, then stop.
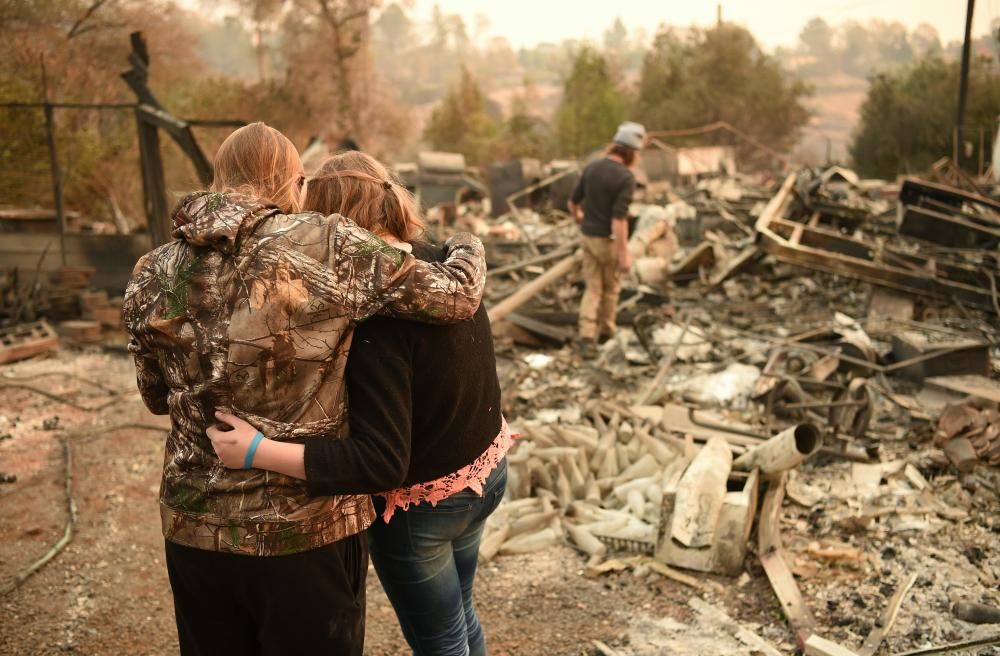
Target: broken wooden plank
<point x="27" y="340"/>
<point x="953" y="648"/>
<point x="949" y="230"/>
<point x="531" y="261"/>
<point x="746" y="258"/>
<point x="81" y="331"/>
<point x="776" y="567"/>
<point x="978" y="386"/>
<point x="887" y="619"/>
<point x="918" y="356"/>
<point x="817" y="646"/>
<point x="526" y="293"/>
<point x="702" y="257"/>
<point x="548" y="331"/>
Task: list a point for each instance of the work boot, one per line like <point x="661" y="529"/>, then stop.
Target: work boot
<point x="588" y="348"/>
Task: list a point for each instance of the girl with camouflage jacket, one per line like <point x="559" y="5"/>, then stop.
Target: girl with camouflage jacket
<point x="250" y="310"/>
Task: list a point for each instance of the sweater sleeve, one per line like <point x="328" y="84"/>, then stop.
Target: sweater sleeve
<point x="382" y="278"/>
<point x="149" y="377"/>
<point x="376" y="456"/>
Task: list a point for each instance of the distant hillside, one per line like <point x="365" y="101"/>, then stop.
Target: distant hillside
<point x="835" y="104"/>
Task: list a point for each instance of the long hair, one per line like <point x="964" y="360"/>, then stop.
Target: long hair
<point x="258" y="161"/>
<point x="626" y="154"/>
<point x="360" y="187"/>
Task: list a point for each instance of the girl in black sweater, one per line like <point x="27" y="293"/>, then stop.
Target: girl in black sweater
<point x="427" y="436"/>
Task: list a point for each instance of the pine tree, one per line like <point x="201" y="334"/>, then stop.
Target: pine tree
<point x="591" y="108"/>
<point x="461" y="123"/>
<point x="719" y="74"/>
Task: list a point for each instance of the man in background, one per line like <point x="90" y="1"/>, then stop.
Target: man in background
<point x="600" y="205"/>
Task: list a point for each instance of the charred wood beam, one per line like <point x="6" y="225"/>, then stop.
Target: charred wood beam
<point x="154" y="187"/>
<point x="825" y="250"/>
<point x="151" y="116"/>
<point x="914" y="191"/>
<point x="776" y="567"/>
<point x="180" y="131"/>
<point x="531" y="289"/>
<point x="953" y="231"/>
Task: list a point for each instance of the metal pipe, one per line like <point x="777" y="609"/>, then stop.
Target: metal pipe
<point x="783" y="451"/>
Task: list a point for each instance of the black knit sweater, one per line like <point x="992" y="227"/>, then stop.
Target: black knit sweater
<point x="424" y="402"/>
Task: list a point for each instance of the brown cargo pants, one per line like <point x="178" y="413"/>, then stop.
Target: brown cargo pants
<point x="603" y="283"/>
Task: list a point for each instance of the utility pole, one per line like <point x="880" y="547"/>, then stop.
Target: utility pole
<point x="963" y="85"/>
<point x="718" y="14"/>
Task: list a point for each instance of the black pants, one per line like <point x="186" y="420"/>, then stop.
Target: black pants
<point x="306" y="603"/>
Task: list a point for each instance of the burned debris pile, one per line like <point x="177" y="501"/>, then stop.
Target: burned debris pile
<point x="801" y="390"/>
<point x="36" y="314"/>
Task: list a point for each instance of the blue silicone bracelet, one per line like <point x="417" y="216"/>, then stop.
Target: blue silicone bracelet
<point x="251" y="450"/>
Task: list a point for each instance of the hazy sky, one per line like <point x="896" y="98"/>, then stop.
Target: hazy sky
<point x="773" y="22"/>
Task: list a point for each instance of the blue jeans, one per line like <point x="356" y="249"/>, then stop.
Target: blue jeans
<point x="426" y="560"/>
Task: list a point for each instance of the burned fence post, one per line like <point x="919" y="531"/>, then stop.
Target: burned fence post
<point x="151" y="116"/>
<point x="154" y="190"/>
<point x="57" y="188"/>
<point x="153" y="183"/>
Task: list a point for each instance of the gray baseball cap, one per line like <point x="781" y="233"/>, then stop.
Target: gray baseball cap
<point x="631" y="135"/>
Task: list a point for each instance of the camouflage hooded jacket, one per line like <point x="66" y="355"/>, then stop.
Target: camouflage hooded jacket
<point x="251" y="311"/>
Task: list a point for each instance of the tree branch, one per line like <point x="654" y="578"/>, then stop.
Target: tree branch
<point x="77" y="28"/>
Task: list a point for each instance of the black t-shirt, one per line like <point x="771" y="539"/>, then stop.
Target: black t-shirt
<point x="424" y="402"/>
<point x="605" y="188"/>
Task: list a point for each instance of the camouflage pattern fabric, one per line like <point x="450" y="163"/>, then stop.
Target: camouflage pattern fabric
<point x="252" y="312"/>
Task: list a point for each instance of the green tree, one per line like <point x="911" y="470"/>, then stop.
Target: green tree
<point x="525" y="133"/>
<point x="907" y="118"/>
<point x="719" y="74"/>
<point x="461" y="123"/>
<point x="591" y="107"/>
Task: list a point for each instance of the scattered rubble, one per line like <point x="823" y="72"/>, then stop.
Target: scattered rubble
<point x="81" y="315"/>
<point x="803" y="343"/>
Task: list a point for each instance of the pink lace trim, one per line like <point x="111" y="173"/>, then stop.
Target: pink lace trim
<point x="471" y="476"/>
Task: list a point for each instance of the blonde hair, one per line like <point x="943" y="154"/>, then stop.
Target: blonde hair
<point x="258" y="161"/>
<point x="360" y="187"/>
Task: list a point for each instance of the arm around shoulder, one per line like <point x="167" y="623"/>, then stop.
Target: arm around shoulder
<point x="385" y="278"/>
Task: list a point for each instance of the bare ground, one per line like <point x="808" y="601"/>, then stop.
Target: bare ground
<point x="107" y="592"/>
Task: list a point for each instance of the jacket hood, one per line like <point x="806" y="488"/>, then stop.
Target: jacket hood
<point x="209" y="218"/>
